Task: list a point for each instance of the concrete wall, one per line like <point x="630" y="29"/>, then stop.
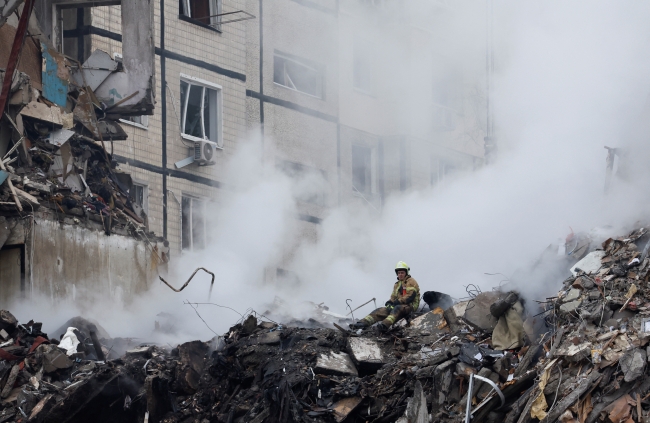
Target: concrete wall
<point x="75" y="261"/>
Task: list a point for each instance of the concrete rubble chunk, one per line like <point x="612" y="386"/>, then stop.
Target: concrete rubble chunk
<point x="365" y="352"/>
<point x="336" y="364"/>
<point x="572" y="295"/>
<point x="574" y="352"/>
<point x="143" y="351"/>
<point x="416" y="410"/>
<point x="442" y="378"/>
<point x="269" y="338"/>
<point x="7" y="321"/>
<point x="570" y="306"/>
<point x="590" y="263"/>
<point x="633" y="364"/>
<point x="477" y="313"/>
<point x="431" y="322"/>
<point x="453" y="316"/>
<point x="54" y="358"/>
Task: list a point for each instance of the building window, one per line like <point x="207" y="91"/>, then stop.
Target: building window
<point x="203" y="11"/>
<point x="139" y="197"/>
<point x="139" y="121"/>
<point x="362" y="170"/>
<point x="444" y="102"/>
<point x="310" y="184"/>
<point x="441" y="169"/>
<point x="193" y="224"/>
<point x="298" y="74"/>
<point x="201" y="110"/>
<point x="362" y="66"/>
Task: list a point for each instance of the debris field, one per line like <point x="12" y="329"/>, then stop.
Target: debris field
<point x="583" y="359"/>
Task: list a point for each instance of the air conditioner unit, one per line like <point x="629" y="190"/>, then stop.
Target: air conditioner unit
<point x="204" y="153"/>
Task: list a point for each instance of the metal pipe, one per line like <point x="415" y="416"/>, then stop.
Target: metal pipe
<point x="372" y="299"/>
<point x="468" y="406"/>
<point x="17" y="46"/>
<point x="494" y="385"/>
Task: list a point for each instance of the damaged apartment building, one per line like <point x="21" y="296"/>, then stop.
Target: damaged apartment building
<point x="121" y="116"/>
<point x="364" y="99"/>
<point x="70" y="224"/>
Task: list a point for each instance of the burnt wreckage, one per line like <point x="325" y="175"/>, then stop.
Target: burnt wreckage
<point x="582" y="358"/>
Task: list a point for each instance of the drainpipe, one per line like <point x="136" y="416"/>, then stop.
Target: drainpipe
<point x="163" y="112"/>
<point x="180" y="215"/>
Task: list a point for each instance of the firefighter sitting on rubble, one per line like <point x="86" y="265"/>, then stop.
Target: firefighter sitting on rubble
<point x="404" y="300"/>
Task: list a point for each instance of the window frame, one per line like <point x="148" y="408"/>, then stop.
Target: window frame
<point x="215" y="21"/>
<point x="372" y="171"/>
<point x="191" y="80"/>
<point x="144" y="126"/>
<point x="145" y="194"/>
<point x="305" y="63"/>
<point x="204" y="204"/>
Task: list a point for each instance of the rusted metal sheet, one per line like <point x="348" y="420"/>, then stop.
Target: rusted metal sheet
<point x="55" y="75"/>
<point x="15" y="52"/>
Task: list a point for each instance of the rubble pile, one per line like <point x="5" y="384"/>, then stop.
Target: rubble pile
<point x="582" y="357"/>
<point x="54" y="135"/>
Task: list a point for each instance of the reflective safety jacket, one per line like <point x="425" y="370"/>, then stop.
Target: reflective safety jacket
<point x="407" y="292"/>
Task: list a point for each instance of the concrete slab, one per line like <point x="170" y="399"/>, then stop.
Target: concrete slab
<point x="431" y="322"/>
<point x="269" y="338"/>
<point x="365" y="353"/>
<point x="590" y="263"/>
<point x="453" y="315"/>
<point x="633" y="364"/>
<point x="478" y="313"/>
<point x="574" y="352"/>
<point x="338" y="364"/>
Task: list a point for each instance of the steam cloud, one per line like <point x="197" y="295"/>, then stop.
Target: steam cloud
<point x="570" y="78"/>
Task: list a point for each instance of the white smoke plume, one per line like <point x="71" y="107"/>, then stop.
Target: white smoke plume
<point x="570" y="79"/>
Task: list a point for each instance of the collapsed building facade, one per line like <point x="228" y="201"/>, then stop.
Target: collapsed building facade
<point x="70" y="224"/>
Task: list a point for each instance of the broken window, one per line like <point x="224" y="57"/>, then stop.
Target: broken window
<point x="140" y="121"/>
<point x="76" y="40"/>
<point x="204" y="11"/>
<point x="193" y="223"/>
<point x="362" y="66"/>
<point x="310" y="184"/>
<point x="201" y="110"/>
<point x="362" y="181"/>
<point x="139" y="196"/>
<point x="298" y="74"/>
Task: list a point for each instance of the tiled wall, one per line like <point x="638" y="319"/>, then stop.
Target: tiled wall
<point x="225" y="49"/>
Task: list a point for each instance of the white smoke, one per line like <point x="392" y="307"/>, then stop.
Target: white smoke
<point x="570" y="78"/>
